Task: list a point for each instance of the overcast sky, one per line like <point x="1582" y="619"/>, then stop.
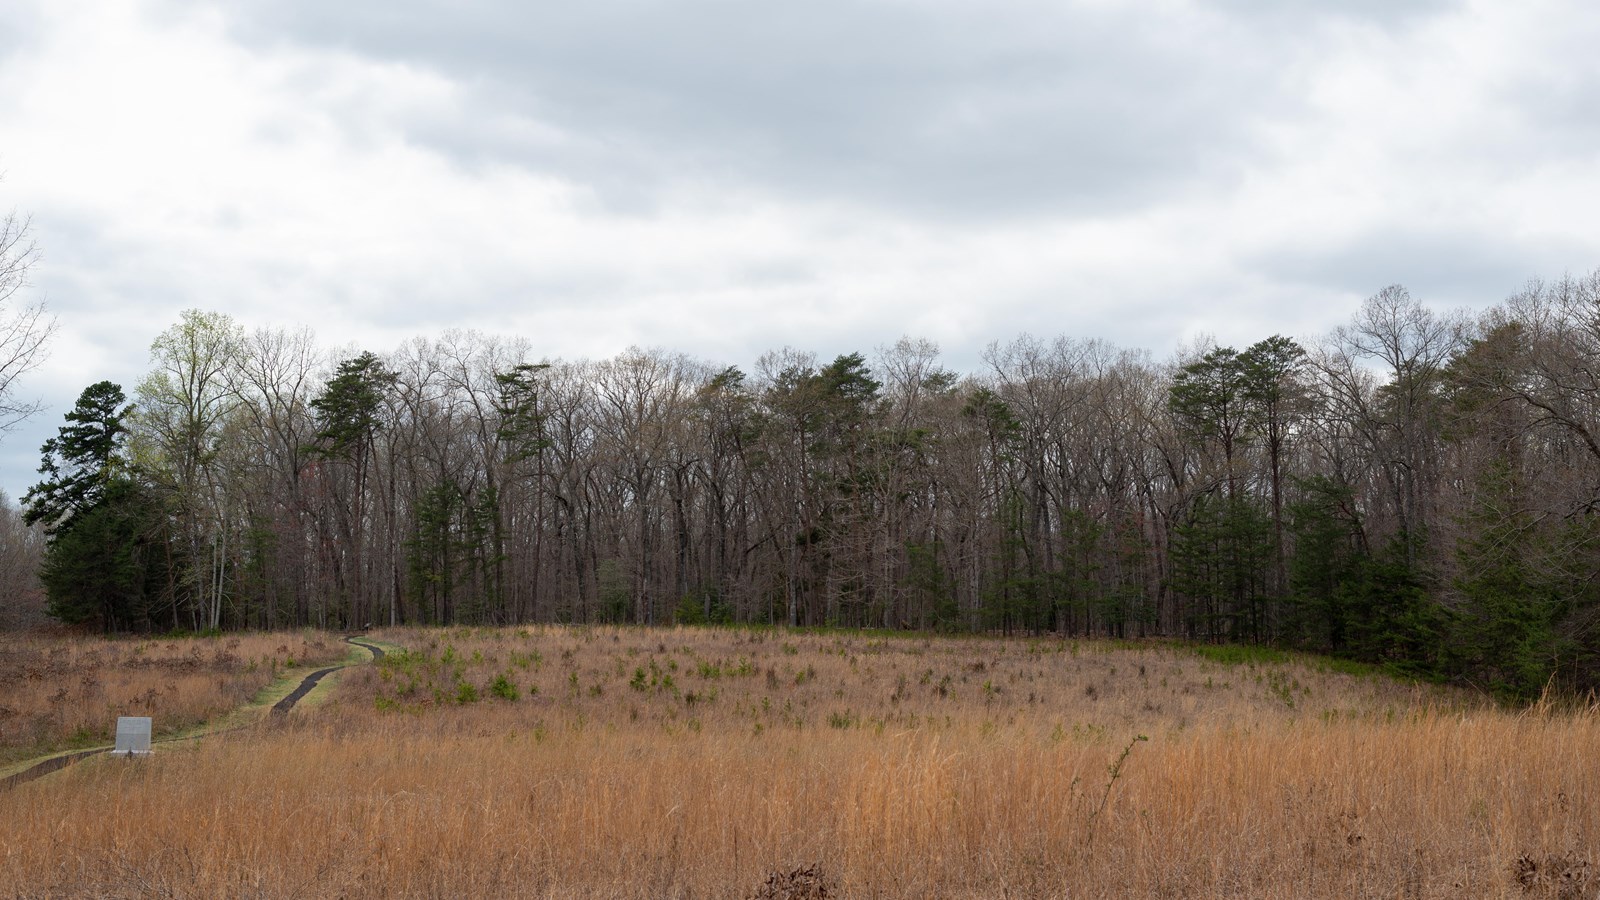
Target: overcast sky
<point x="725" y="178"/>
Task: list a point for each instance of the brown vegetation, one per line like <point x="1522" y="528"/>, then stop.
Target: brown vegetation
<point x="606" y="762"/>
<point x="60" y="690"/>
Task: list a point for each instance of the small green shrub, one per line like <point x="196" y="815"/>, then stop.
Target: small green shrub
<point x="503" y="688"/>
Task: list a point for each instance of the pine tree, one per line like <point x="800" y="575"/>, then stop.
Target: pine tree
<point x="81" y="460"/>
<point x="102" y="523"/>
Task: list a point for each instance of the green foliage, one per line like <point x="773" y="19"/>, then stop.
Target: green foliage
<point x="1327" y="565"/>
<point x="432" y="551"/>
<point x="1016" y="594"/>
<point x="655" y="679"/>
<point x="504" y="688"/>
<point x="349" y="411"/>
<point x="81" y="461"/>
<point x="929" y="587"/>
<point x="1347" y="600"/>
<point x="705" y="607"/>
<point x="520" y="433"/>
<point x="184" y="402"/>
<point x="1502" y="633"/>
<point x="452" y="544"/>
<point x="997" y="422"/>
<point x="616" y="594"/>
<point x="1268" y="368"/>
<point x="1221" y="555"/>
<point x="690" y="611"/>
<point x="1113" y="773"/>
<point x="827" y="407"/>
<point x="1094" y="495"/>
<point x="108" y="564"/>
<point x="107" y="555"/>
<point x="1393" y="620"/>
<point x="1208" y="396"/>
<point x="848" y="391"/>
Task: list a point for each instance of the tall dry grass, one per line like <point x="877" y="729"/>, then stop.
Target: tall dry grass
<point x="1360" y="788"/>
<point x="59" y="691"/>
<point x="760" y="680"/>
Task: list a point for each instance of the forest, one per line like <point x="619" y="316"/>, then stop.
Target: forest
<point x="1415" y="489"/>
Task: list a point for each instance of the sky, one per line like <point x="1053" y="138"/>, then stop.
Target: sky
<point x="728" y="177"/>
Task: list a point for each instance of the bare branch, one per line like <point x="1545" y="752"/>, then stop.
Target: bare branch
<point x="25" y="330"/>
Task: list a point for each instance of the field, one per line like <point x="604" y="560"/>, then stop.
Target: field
<point x="61" y="692"/>
<point x="601" y="762"/>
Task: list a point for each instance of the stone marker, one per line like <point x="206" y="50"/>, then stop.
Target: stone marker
<point x="133" y="736"/>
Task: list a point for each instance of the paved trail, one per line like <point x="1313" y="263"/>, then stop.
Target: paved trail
<point x="56" y="763"/>
<point x="283" y="706"/>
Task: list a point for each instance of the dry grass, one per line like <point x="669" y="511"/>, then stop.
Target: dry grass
<point x="58" y="691"/>
<point x="830" y="766"/>
<point x="734" y="680"/>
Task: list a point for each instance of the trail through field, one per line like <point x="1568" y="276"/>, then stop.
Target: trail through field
<point x="283" y="706"/>
<point x="60" y="761"/>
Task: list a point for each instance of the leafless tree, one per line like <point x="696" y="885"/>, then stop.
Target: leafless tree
<point x="1413" y="344"/>
<point x="25" y="328"/>
<point x="22" y="601"/>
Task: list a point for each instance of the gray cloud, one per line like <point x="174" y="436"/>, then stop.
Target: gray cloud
<point x="723" y="178"/>
<point x="1301" y="13"/>
<point x="1449" y="267"/>
<point x="21" y="29"/>
<point x="953" y="111"/>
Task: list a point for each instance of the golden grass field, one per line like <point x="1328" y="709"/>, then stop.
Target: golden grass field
<point x="616" y="762"/>
<point x="60" y="691"/>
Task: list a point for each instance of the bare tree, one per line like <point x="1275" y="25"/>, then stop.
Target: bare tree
<point x="24" y="329"/>
<point x="22" y="601"/>
<point x="644" y="397"/>
<point x="272" y="380"/>
<point x="1557" y="335"/>
<point x="1413" y="345"/>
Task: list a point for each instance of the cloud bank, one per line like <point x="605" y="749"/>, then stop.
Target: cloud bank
<point x="725" y="178"/>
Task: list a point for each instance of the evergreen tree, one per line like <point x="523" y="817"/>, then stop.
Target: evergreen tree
<point x="1330" y="555"/>
<point x="349" y="413"/>
<point x="349" y="410"/>
<point x="1501" y="630"/>
<point x="1208" y="397"/>
<point x="1272" y="372"/>
<point x="1220" y="558"/>
<point x="81" y="460"/>
<point x="103" y="524"/>
<point x="521" y="428"/>
<point x="107" y="565"/>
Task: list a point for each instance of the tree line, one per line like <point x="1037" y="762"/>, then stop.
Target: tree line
<point x="1414" y="489"/>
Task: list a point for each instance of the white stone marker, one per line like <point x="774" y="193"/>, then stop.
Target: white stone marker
<point x="133" y="736"/>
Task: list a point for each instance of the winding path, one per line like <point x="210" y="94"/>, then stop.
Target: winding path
<point x="283" y="706"/>
<point x="56" y="763"/>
